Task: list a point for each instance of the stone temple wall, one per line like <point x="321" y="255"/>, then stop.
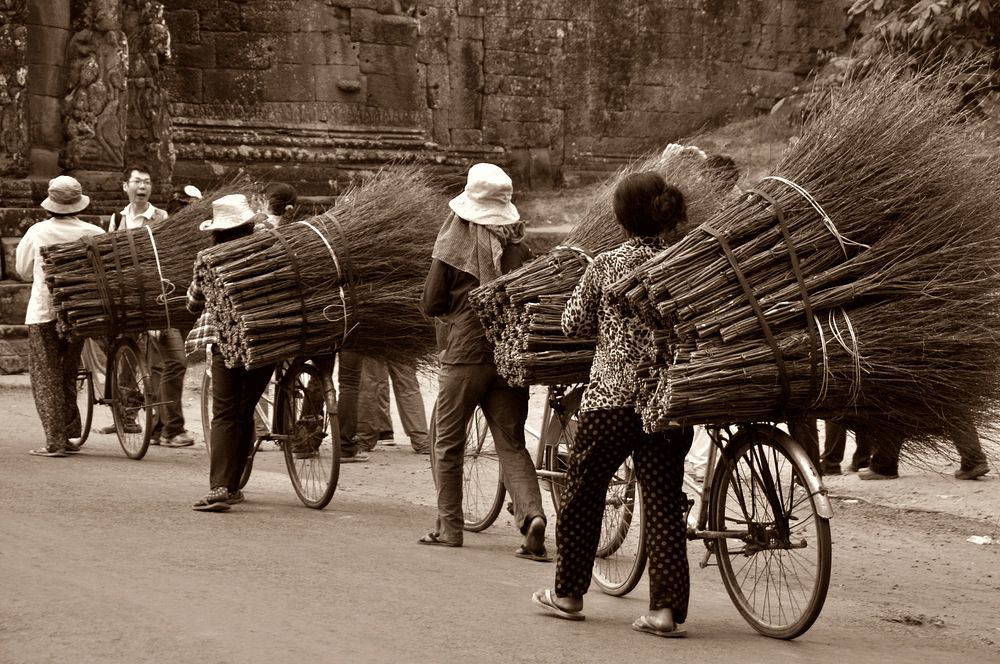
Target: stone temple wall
<point x="557" y="90"/>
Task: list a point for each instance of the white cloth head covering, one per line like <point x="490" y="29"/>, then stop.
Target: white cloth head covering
<point x="228" y="211"/>
<point x="486" y="199"/>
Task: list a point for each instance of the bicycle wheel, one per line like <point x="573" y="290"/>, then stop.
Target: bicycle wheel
<point x="84" y="403"/>
<point x="131" y="395"/>
<point x="482" y="479"/>
<point x="311" y="453"/>
<point x="206" y="407"/>
<point x="777" y="571"/>
<point x="621" y="551"/>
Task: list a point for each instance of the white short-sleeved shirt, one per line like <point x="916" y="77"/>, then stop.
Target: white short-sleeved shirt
<point x="133" y="221"/>
<point x="29" y="260"/>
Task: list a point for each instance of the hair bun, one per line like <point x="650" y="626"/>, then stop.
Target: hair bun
<point x="667" y="203"/>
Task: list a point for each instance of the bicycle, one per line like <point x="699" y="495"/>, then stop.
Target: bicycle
<point x="298" y="414"/>
<point x="127" y="390"/>
<point x="763" y="514"/>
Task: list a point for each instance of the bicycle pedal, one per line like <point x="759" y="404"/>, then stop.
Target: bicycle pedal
<point x="704" y="562"/>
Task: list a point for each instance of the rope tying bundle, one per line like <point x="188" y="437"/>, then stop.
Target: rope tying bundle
<point x="340" y="279"/>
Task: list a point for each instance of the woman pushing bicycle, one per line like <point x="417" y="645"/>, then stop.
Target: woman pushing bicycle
<point x="610" y="429"/>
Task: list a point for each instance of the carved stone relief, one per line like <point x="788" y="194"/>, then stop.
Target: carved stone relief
<point x="95" y="110"/>
<point x="149" y="123"/>
<point x="14" y="144"/>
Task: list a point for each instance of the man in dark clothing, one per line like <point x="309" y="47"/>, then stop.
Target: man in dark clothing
<point x="478" y="243"/>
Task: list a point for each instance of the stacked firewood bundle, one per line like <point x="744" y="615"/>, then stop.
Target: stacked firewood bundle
<point x="521" y="311"/>
<point x="131" y="280"/>
<point x="860" y="282"/>
<point x="352" y="277"/>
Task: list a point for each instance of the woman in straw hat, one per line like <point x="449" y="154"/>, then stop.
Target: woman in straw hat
<point x="611" y="430"/>
<point x="236" y="390"/>
<point x="53" y="361"/>
<point x="480" y="240"/>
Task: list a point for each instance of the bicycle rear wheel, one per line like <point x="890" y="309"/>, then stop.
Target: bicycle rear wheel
<point x="482" y="478"/>
<point x="621" y="551"/>
<point x="312" y="455"/>
<point x="84" y="403"/>
<point x="778" y="571"/>
<point x="131" y="395"/>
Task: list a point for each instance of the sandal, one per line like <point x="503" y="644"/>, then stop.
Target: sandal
<point x="435" y="538"/>
<point x="215" y="500"/>
<point x="546" y="599"/>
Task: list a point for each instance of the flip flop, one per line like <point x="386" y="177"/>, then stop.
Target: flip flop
<point x="546" y="599"/>
<point x="211" y="507"/>
<point x="642" y="624"/>
<point x="435" y="538"/>
<point x="542" y="557"/>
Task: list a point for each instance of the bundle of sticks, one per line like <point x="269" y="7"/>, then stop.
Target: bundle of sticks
<point x="521" y="311"/>
<point x="861" y="282"/>
<point x="130" y="281"/>
<point x="351" y="277"/>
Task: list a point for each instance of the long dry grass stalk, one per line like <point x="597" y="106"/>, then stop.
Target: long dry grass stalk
<point x="131" y="280"/>
<point x="529" y="346"/>
<point x="352" y="277"/>
<point x="900" y="260"/>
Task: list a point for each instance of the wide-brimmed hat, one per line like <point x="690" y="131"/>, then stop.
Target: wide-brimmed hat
<point x="65" y="196"/>
<point x="228" y="211"/>
<point x="486" y="199"/>
<point x="190" y="192"/>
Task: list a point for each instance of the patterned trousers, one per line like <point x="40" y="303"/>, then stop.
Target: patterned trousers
<point x="52" y="364"/>
<point x="604" y="440"/>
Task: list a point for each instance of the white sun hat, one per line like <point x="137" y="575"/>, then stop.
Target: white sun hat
<point x="486" y="199"/>
<point x="191" y="191"/>
<point x="65" y="196"/>
<point x="228" y="211"/>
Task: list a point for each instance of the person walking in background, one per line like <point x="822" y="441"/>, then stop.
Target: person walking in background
<point x="610" y="428"/>
<point x="478" y="242"/>
<point x="374" y="423"/>
<point x="282" y="202"/>
<point x="168" y="369"/>
<point x="53" y="361"/>
<point x="235" y="390"/>
<point x="183" y="197"/>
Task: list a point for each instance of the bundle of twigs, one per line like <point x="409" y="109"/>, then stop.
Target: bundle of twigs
<point x="521" y="311"/>
<point x="884" y="315"/>
<point x="352" y="277"/>
<point x="130" y="280"/>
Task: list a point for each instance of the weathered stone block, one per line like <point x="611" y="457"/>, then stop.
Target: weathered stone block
<point x="466" y="137"/>
<point x="320" y="17"/>
<point x="50" y="14"/>
<point x="509" y="63"/>
<point x="200" y="55"/>
<point x="505" y="107"/>
<point x="8" y="259"/>
<point x="243" y="50"/>
<point x="226" y="17"/>
<point x="288" y="83"/>
<point x="343" y="83"/>
<point x="541" y="175"/>
<point x="46" y="80"/>
<point x="390" y="92"/>
<point x="516" y="34"/>
<point x="14" y="353"/>
<point x="518" y="134"/>
<point x="470" y="27"/>
<point x="13" y="302"/>
<point x="371" y="27"/>
<point x="440" y="127"/>
<point x="517" y="86"/>
<point x="340" y="50"/>
<point x="387" y="60"/>
<point x="47" y="46"/>
<point x="184" y="85"/>
<point x="15" y="221"/>
<point x="197" y="5"/>
<point x="45" y="126"/>
<point x="438" y="85"/>
<point x="185" y="25"/>
<point x="229" y="85"/>
<point x="471" y="8"/>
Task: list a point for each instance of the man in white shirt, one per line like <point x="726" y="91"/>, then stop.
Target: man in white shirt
<point x="168" y="373"/>
<point x="53" y="361"/>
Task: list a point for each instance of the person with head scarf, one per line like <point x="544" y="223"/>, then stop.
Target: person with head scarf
<point x="610" y="429"/>
<point x="53" y="361"/>
<point x="479" y="241"/>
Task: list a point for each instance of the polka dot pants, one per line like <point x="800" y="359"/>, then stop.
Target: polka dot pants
<point x="604" y="440"/>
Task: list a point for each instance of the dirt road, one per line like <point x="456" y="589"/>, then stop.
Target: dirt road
<point x="101" y="560"/>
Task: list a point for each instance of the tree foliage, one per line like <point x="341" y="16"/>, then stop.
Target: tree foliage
<point x="928" y="30"/>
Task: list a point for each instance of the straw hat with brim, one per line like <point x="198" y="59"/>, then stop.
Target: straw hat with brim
<point x="65" y="196"/>
<point x="228" y="212"/>
<point x="486" y="199"/>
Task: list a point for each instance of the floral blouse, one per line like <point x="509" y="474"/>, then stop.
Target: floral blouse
<point x="620" y="340"/>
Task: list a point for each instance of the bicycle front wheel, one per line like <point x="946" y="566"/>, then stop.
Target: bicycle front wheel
<point x="776" y="562"/>
<point x="312" y="456"/>
<point x="84" y="403"/>
<point x="131" y="395"/>
<point x="483" y="490"/>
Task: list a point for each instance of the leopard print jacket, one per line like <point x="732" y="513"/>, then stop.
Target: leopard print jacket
<point x="620" y="340"/>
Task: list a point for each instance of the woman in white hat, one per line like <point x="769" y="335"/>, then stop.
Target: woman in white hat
<point x="480" y="241"/>
<point x="53" y="361"/>
<point x="236" y="390"/>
